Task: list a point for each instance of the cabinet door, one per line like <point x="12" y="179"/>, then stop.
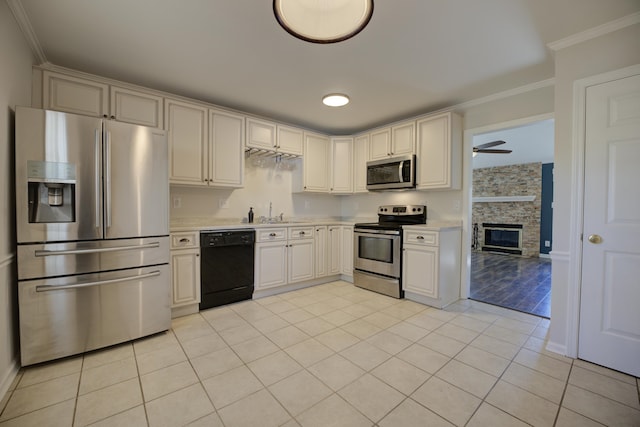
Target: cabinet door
<point x="185" y="273"/>
<point x="403" y="139"/>
<point x="316" y="163"/>
<point x="226" y="149"/>
<point x="321" y="251"/>
<point x="420" y="270"/>
<point x="136" y="107"/>
<point x="301" y="257"/>
<point x="335" y="250"/>
<point x="439" y="150"/>
<point x="187" y="130"/>
<point x="380" y="144"/>
<point x="347" y="250"/>
<point x="341" y="165"/>
<point x="261" y="134"/>
<point x="290" y="140"/>
<point x="360" y="158"/>
<point x="271" y="264"/>
<point x="74" y="95"/>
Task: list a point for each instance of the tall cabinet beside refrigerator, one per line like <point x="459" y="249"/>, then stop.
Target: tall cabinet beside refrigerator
<point x="92" y="218"/>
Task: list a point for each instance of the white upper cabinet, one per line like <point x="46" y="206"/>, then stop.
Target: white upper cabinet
<point x="132" y="106"/>
<point x="403" y="139"/>
<point x="341" y="165"/>
<point x="265" y="135"/>
<point x="360" y="157"/>
<point x="314" y="166"/>
<point x="76" y="95"/>
<point x="439" y="152"/>
<point x="187" y="131"/>
<point x="290" y="140"/>
<point x="226" y="149"/>
<point x="261" y="134"/>
<point x="380" y="145"/>
<point x="393" y="141"/>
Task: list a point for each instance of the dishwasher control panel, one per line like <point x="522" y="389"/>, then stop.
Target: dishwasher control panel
<point x="227" y="238"/>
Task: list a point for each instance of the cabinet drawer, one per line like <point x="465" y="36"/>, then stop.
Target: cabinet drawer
<point x="429" y="238"/>
<point x="189" y="239"/>
<point x="301" y="232"/>
<point x="271" y="234"/>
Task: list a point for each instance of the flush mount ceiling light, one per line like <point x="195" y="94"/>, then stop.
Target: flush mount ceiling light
<point x="335" y="100"/>
<point x="323" y="21"/>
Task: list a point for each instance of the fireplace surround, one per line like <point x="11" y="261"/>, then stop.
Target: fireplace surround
<point x="504" y="238"/>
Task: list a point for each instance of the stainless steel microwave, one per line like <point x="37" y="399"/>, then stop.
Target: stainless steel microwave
<point x="392" y="173"/>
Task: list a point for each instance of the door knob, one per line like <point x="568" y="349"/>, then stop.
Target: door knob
<point x="594" y="238"/>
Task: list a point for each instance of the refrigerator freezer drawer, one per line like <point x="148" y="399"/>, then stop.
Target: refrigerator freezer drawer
<point x="60" y="259"/>
<point x="70" y="315"/>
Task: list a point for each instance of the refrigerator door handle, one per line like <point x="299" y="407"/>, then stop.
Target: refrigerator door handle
<point x="107" y="172"/>
<point x="48" y="288"/>
<point x="97" y="177"/>
<point x="41" y="253"/>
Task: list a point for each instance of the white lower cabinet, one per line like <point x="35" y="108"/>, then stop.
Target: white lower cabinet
<point x="185" y="269"/>
<point x="321" y="250"/>
<point x="431" y="265"/>
<point x="271" y="258"/>
<point x="334" y="245"/>
<point x="271" y="264"/>
<point x="347" y="250"/>
<point x="284" y="256"/>
<point x="301" y="260"/>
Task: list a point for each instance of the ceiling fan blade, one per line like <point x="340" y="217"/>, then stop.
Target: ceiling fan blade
<point x="494" y="151"/>
<point x="490" y="144"/>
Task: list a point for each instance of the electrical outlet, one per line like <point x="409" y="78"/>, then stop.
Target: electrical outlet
<point x="177" y="202"/>
<point x="223" y="203"/>
<point x="547" y="243"/>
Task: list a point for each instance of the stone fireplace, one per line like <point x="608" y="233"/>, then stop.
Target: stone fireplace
<point x="508" y="198"/>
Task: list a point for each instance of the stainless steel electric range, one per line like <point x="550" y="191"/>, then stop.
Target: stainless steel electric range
<point x="378" y="248"/>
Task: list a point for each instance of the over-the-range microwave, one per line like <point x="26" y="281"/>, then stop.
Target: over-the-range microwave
<point x="392" y="173"/>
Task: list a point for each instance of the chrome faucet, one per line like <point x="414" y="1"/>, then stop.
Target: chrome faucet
<point x="281" y="215"/>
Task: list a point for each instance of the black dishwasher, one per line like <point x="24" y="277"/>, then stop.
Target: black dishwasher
<point x="226" y="267"/>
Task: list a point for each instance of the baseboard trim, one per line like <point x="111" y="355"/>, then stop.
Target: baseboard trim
<point x="8" y="377"/>
<point x="557" y="348"/>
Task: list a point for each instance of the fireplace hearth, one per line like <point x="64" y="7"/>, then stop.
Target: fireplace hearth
<point x="503" y="238"/>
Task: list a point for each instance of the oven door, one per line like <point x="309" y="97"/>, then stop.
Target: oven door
<point x="377" y="251"/>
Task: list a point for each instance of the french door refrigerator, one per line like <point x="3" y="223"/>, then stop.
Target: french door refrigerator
<point x="92" y="220"/>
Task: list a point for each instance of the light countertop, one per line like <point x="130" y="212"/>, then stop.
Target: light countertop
<point x="209" y="223"/>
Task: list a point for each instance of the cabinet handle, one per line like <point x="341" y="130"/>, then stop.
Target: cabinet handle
<point x="420" y="238"/>
<point x="113" y="117"/>
<point x="105" y="116"/>
<point x="272" y="234"/>
<point x="302" y="233"/>
<point x="184" y="240"/>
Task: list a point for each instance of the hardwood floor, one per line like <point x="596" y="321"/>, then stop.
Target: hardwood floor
<point x="522" y="284"/>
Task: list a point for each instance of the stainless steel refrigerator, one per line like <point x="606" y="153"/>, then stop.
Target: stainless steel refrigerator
<point x="92" y="220"/>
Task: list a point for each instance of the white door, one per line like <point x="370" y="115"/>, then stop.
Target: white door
<point x="610" y="293"/>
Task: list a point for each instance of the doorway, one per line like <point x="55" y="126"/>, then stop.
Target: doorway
<point x="511" y="216"/>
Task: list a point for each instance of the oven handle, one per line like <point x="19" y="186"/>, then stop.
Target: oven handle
<point x="389" y="234"/>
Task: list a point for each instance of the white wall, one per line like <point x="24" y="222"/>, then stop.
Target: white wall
<point x="263" y="184"/>
<point x="606" y="53"/>
<point x="16" y="60"/>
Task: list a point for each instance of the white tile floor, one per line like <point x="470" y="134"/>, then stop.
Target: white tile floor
<point x="331" y="355"/>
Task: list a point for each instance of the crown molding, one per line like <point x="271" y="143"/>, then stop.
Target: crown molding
<point x="27" y="30"/>
<point x="504" y="94"/>
<point x="594" y="32"/>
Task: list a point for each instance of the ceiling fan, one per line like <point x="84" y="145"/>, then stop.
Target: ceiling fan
<point x="485" y="148"/>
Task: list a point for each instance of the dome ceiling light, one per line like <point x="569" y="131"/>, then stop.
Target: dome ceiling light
<point x="335" y="100"/>
<point x="323" y="21"/>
